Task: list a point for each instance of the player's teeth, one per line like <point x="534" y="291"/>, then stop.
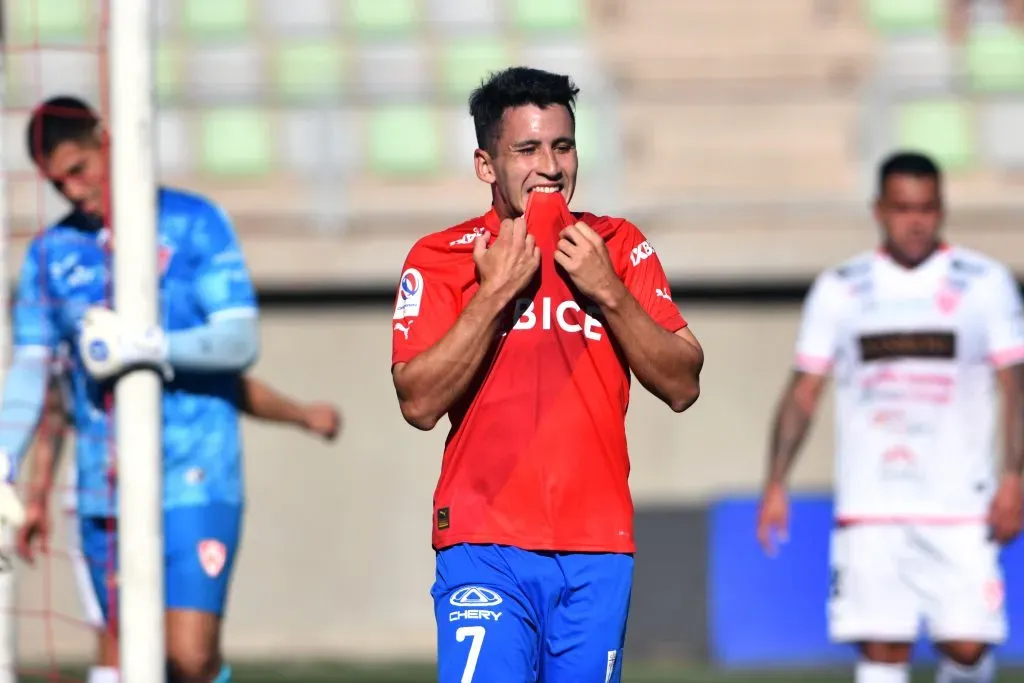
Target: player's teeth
<point x="545" y="190"/>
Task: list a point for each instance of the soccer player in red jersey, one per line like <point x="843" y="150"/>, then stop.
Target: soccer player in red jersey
<point x="522" y="325"/>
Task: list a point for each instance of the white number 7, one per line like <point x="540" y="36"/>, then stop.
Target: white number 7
<point x="477" y="633"/>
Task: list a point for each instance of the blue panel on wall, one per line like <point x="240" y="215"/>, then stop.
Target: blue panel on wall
<point x="765" y="611"/>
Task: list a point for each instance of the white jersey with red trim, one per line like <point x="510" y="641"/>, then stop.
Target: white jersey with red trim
<point x="913" y="354"/>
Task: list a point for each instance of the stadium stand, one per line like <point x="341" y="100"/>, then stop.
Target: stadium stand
<point x="341" y="124"/>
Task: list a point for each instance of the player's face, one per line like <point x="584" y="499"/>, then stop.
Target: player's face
<point x="910" y="212"/>
<point x="78" y="170"/>
<point x="535" y="153"/>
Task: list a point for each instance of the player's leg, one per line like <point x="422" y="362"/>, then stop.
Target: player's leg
<point x="105" y="668"/>
<point x="587" y="629"/>
<point x="489" y="605"/>
<point x="870" y="603"/>
<point x="201" y="543"/>
<point x="98" y="568"/>
<point x="962" y="582"/>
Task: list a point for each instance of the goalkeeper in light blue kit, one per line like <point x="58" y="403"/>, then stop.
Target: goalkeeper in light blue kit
<point x="209" y="334"/>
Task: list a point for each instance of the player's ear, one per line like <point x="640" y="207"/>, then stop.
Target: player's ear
<point x="484" y="166"/>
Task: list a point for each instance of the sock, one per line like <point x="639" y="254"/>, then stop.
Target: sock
<point x="982" y="672"/>
<point x="224" y="676"/>
<point x="104" y="674"/>
<point x="876" y="672"/>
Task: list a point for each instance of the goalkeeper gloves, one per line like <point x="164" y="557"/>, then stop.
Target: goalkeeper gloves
<point x="109" y="347"/>
<point x="12" y="511"/>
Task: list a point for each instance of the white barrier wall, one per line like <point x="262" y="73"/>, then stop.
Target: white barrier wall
<point x="336" y="559"/>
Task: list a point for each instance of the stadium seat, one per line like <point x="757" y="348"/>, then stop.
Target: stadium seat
<point x="542" y="16"/>
<point x="168" y="73"/>
<point x="300" y="17"/>
<point x="309" y="70"/>
<point x="995" y="59"/>
<point x="224" y="73"/>
<point x="173" y="153"/>
<point x="942" y="128"/>
<point x="384" y="18"/>
<point x="205" y="19"/>
<point x="33" y="76"/>
<point x="576" y="59"/>
<point x="404" y="140"/>
<point x="464" y="17"/>
<point x="319" y="141"/>
<point x="464" y="64"/>
<point x="1001" y="133"/>
<point x="235" y="142"/>
<point x="918" y="63"/>
<point x="389" y="70"/>
<point x="50" y="21"/>
<point x="588" y="146"/>
<point x="460" y="140"/>
<point x="907" y="16"/>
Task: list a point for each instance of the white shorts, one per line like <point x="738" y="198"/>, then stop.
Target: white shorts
<point x="888" y="578"/>
<point x="91" y="612"/>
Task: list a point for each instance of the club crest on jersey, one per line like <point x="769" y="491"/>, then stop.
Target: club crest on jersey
<point x="213" y="555"/>
<point x="410" y="295"/>
<point x="948" y="298"/>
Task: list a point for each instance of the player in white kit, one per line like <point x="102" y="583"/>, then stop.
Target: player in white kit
<point x="918" y="336"/>
<point x="259" y="400"/>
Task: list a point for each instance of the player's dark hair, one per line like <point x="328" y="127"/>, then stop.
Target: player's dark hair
<point x="912" y="164"/>
<point x="56" y="121"/>
<point x="516" y="87"/>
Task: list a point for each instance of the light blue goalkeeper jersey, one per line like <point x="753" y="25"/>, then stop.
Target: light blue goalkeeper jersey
<point x="203" y="277"/>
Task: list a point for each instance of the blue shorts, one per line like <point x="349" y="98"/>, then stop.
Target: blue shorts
<point x="506" y="615"/>
<point x="199" y="553"/>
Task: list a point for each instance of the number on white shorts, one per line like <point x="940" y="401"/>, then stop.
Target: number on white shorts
<point x="477" y="633"/>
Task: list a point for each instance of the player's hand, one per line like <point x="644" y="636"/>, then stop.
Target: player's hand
<point x="582" y="253"/>
<point x="110" y="347"/>
<point x="322" y="419"/>
<point x="35" y="532"/>
<point x="1006" y="514"/>
<point x="773" y="518"/>
<point x="508" y="265"/>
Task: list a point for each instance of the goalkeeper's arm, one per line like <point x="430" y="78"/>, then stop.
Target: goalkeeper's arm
<point x="44" y="458"/>
<point x="222" y="345"/>
<point x="262" y="401"/>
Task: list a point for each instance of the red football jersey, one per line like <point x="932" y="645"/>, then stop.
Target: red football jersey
<point x="536" y="457"/>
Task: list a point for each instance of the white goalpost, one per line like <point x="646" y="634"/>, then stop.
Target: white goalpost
<point x="137" y="395"/>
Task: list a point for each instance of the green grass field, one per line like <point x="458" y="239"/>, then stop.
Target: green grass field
<point x="336" y="673"/>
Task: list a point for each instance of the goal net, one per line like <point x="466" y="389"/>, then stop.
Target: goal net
<point x="100" y="52"/>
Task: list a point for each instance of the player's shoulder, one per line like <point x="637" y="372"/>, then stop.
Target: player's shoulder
<point x="970" y="264"/>
<point x="856" y="267"/>
<point x="610" y="227"/>
<point x="174" y="202"/>
<point x="448" y="244"/>
<point x="72" y="230"/>
<point x="847" y="278"/>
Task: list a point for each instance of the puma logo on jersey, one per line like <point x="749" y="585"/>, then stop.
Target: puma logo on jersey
<point x="663" y="294"/>
<point x="404" y="329"/>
